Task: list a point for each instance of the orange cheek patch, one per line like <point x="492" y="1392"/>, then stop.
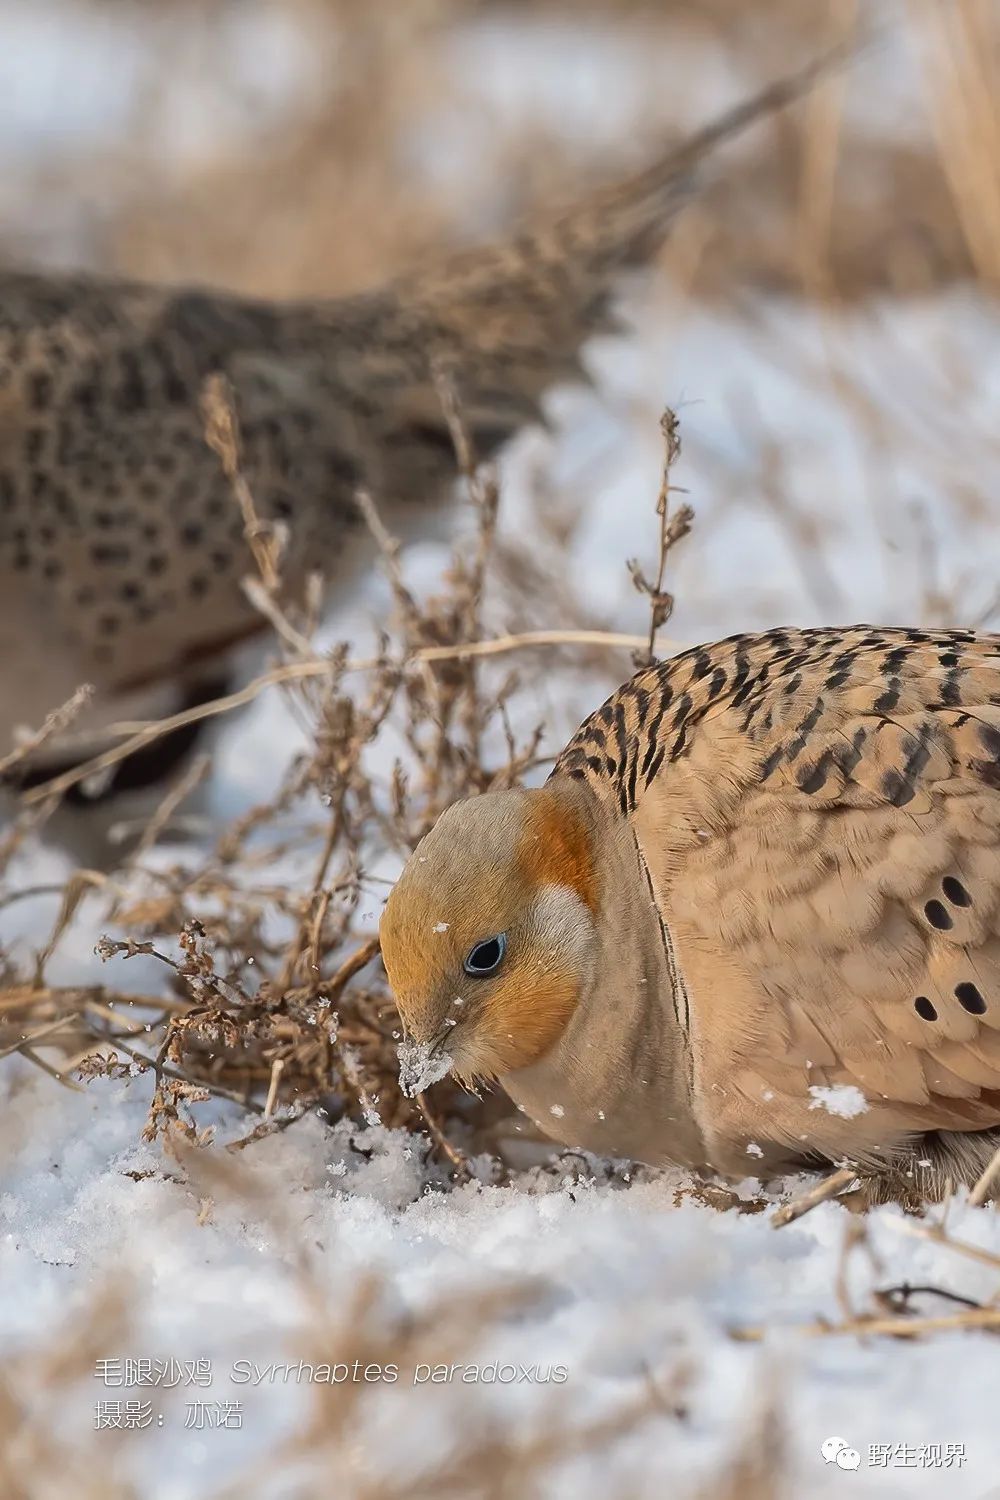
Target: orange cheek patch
<point x="555" y="849"/>
<point x="526" y="1015"/>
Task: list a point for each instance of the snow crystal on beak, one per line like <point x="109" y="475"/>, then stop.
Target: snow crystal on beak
<point x="421" y="1064"/>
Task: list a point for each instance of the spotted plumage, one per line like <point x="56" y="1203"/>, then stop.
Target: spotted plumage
<point x="121" y="549"/>
<point x="800" y="833"/>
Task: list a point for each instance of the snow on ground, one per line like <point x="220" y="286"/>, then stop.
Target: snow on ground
<point x="632" y="1287"/>
<point x="808" y="510"/>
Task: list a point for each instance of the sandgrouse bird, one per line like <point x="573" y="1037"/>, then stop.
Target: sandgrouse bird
<point x="752" y="920"/>
<point x="121" y="548"/>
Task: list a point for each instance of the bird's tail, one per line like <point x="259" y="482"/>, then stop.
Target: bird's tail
<point x="509" y="319"/>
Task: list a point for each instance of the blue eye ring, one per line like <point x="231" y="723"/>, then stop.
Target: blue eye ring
<point x="486" y="957"/>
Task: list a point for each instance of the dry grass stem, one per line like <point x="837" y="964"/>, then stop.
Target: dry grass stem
<point x="820" y="1192"/>
<point x="673" y="528"/>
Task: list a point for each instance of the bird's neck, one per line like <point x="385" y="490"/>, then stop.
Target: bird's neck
<point x="618" y="1079"/>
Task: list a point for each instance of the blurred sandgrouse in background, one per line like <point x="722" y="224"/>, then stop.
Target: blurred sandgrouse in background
<point x="121" y="548"/>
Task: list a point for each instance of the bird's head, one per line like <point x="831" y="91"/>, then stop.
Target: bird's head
<point x="489" y="935"/>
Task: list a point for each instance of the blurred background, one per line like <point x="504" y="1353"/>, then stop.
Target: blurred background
<point x="314" y="146"/>
<point x="824" y="318"/>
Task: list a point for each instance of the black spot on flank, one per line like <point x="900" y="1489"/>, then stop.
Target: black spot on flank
<point x="955" y="891"/>
<point x="970" y="999"/>
<point x="924" y="1008"/>
<point x="938" y="916"/>
<point x="990" y="739"/>
<point x="578" y="774"/>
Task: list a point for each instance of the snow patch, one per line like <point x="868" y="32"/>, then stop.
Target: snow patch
<point x="840" y="1099"/>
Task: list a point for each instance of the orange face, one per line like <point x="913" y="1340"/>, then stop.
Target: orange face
<point x="488" y="935"/>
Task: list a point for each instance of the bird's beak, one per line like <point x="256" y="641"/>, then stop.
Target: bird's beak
<point x="424" y="1063"/>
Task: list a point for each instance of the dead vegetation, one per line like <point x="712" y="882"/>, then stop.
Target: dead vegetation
<point x="349" y="184"/>
<point x="287" y="1015"/>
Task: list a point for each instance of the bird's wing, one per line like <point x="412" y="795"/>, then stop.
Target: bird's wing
<point x="824" y="839"/>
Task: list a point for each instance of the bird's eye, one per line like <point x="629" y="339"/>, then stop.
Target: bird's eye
<point x="485" y="957"/>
